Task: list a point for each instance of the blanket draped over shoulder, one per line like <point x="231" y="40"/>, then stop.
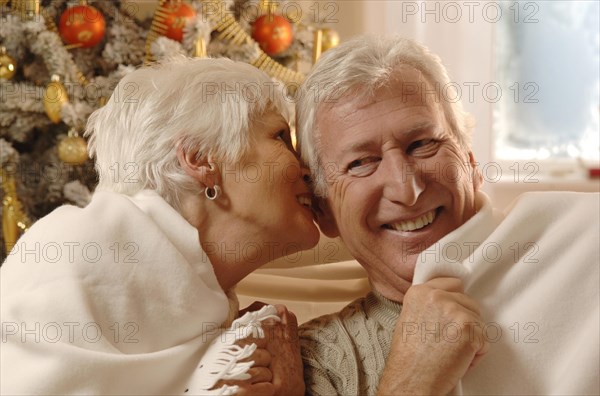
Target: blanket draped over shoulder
<point x="116" y="298"/>
<point x="535" y="272"/>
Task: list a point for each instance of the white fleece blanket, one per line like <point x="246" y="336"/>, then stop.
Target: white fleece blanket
<point x="534" y="270"/>
<point x="116" y="298"/>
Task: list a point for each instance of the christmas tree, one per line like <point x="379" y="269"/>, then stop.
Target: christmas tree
<point x="59" y="61"/>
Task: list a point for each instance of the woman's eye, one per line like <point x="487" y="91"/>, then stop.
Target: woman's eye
<point x="363" y="166"/>
<point x="284" y="136"/>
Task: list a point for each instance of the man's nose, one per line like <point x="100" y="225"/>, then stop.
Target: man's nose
<point x="403" y="182"/>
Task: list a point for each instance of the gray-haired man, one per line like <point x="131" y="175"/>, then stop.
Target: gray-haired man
<point x="391" y="161"/>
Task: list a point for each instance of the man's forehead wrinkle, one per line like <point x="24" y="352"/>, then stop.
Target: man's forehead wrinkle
<point x="349" y="106"/>
<point x="336" y="114"/>
<point x="404" y="90"/>
<point x="351" y="116"/>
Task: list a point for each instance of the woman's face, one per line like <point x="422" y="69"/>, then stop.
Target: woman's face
<point x="269" y="201"/>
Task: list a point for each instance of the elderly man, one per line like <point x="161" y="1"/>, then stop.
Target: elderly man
<point x="388" y="146"/>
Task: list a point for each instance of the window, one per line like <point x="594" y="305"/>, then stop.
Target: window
<point x="547" y="55"/>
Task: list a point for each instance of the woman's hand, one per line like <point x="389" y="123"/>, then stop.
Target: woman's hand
<point x="286" y="365"/>
<point x="260" y="382"/>
<point x="277" y="368"/>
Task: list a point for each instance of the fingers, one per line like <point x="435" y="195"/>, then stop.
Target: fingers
<point x="277" y="367"/>
<point x="484" y="347"/>
<point x="288" y="326"/>
<point x="259" y="389"/>
<point x="260" y="342"/>
<point x="260" y="374"/>
<point x="255" y="306"/>
<point x="466" y="302"/>
<point x="439" y="336"/>
<point x="281" y="310"/>
<point x="257" y="375"/>
<point x="440" y="291"/>
<point x="260" y="357"/>
<point x="248" y="389"/>
<point x="481" y="352"/>
<point x="446" y="283"/>
<point x="441" y="303"/>
<point x="288" y="318"/>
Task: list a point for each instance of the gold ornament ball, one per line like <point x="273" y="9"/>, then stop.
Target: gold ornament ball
<point x="330" y="39"/>
<point x="73" y="150"/>
<point x="8" y="66"/>
<point x="55" y="96"/>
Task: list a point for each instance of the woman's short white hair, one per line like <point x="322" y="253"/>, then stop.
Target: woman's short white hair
<point x="208" y="105"/>
<point x="359" y="67"/>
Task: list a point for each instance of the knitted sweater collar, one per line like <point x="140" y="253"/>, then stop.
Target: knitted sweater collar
<point x="383" y="310"/>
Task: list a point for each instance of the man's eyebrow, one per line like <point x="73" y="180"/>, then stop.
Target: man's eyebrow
<point x="419" y="128"/>
<point x="364" y="145"/>
<point x="367" y="145"/>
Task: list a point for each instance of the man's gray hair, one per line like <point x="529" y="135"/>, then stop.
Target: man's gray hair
<point x="207" y="105"/>
<point x="359" y="67"/>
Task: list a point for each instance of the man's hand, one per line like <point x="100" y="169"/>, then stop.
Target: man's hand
<point x="277" y="368"/>
<point x="438" y="336"/>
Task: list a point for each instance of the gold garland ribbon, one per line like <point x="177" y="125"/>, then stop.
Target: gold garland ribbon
<point x="27" y="9"/>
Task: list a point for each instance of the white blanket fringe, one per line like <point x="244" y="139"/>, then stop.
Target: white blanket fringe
<point x="221" y="360"/>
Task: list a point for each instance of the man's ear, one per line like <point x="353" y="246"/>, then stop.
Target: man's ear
<point x="325" y="218"/>
<point x="201" y="168"/>
<point x="476" y="173"/>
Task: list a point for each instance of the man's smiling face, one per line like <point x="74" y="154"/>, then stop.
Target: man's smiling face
<point x="397" y="179"/>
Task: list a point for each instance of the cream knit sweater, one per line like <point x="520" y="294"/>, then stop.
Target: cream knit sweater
<point x="355" y="340"/>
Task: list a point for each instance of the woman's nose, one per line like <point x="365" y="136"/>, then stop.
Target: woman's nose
<point x="305" y="174"/>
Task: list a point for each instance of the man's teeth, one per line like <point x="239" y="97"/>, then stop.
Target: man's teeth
<point x="414" y="224"/>
<point x="304" y="201"/>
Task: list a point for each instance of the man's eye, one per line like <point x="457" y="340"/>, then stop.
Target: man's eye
<point x="363" y="166"/>
<point x="423" y="147"/>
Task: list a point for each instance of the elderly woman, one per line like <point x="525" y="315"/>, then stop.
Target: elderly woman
<point x="199" y="186"/>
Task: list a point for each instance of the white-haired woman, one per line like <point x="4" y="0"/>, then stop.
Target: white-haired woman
<point x="199" y="185"/>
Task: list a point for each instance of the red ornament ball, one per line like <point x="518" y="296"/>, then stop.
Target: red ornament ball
<point x="176" y="17"/>
<point x="82" y="25"/>
<point x="273" y="33"/>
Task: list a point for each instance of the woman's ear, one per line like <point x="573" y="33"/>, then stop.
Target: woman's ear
<point x="201" y="168"/>
<point x="325" y="218"/>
